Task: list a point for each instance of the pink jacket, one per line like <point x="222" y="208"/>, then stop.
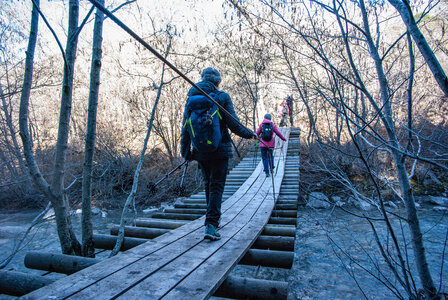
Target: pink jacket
<point x="271" y="143"/>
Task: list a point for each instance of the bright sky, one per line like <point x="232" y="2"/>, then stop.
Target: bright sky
<point x="193" y="18"/>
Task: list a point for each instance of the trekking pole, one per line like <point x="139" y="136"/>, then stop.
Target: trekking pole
<point x="271" y="166"/>
<point x="236" y="149"/>
<point x="181" y="187"/>
<point x="152" y="186"/>
<point x="159" y="56"/>
<point x="256" y="154"/>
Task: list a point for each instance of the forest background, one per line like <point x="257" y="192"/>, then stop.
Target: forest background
<point x="370" y="99"/>
<point x="261" y="62"/>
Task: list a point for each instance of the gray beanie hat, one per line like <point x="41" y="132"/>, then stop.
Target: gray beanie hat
<point x="268" y="116"/>
<point x="211" y="74"/>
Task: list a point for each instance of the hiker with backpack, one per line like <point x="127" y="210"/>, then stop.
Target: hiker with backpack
<point x="267" y="144"/>
<point x="284" y="114"/>
<point x="206" y="128"/>
<point x="290" y="102"/>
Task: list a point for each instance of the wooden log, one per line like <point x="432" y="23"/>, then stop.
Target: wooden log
<point x="60" y="263"/>
<point x="189" y="217"/>
<point x="105" y="241"/>
<point x="249" y="288"/>
<point x="18" y="284"/>
<point x="283" y="243"/>
<point x="185" y="211"/>
<point x="268" y="258"/>
<point x="286" y="206"/>
<point x="279" y="230"/>
<point x="284" y="213"/>
<point x="280" y="220"/>
<point x="139" y="232"/>
<point x="287" y="200"/>
<point x="195" y="201"/>
<point x="194" y="206"/>
<point x="165" y="224"/>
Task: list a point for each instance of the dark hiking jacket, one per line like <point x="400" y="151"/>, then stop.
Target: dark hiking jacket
<point x="225" y="147"/>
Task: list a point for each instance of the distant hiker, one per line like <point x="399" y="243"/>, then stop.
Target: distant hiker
<point x="205" y="127"/>
<point x="267" y="144"/>
<point x="290" y="103"/>
<point x="284" y="114"/>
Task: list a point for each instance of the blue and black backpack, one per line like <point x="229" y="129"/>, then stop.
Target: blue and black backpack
<point x="203" y="123"/>
<point x="267" y="131"/>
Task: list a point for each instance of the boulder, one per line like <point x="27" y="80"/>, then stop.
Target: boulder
<point x="150" y="210"/>
<point x="164" y="205"/>
<point x="96" y="211"/>
<point x="427" y="175"/>
<point x="361" y="204"/>
<point x="179" y="200"/>
<point x="434" y="200"/>
<point x="340" y="203"/>
<point x="431" y="179"/>
<point x="337" y="200"/>
<point x="438" y="200"/>
<point x="440" y="208"/>
<point x="318" y="200"/>
<point x="420" y="199"/>
<point x="391" y="204"/>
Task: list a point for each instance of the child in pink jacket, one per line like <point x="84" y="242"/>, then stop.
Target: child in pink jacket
<point x="267" y="129"/>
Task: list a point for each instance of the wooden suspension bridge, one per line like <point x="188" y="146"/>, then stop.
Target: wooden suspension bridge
<point x="165" y="256"/>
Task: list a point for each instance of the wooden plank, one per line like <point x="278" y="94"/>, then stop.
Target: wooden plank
<point x="204" y="281"/>
<point x="132" y="274"/>
<point x="165" y="279"/>
<point x="215" y="269"/>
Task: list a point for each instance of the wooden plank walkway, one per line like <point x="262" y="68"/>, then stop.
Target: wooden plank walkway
<point x="181" y="264"/>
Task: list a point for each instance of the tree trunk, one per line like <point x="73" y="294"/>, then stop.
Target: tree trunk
<point x="312" y="121"/>
<point x="67" y="237"/>
<point x="403" y="8"/>
<point x="33" y="169"/>
<point x="16" y="148"/>
<point x="131" y="196"/>
<point x="387" y="118"/>
<point x="87" y="230"/>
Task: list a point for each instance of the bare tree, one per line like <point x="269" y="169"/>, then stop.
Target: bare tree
<point x="131" y="196"/>
<point x="247" y="71"/>
<point x="87" y="228"/>
<point x="55" y="192"/>
<point x="341" y="73"/>
<point x="11" y="64"/>
<point x="404" y="8"/>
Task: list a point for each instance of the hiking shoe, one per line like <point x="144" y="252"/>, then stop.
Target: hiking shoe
<point x="210" y="233"/>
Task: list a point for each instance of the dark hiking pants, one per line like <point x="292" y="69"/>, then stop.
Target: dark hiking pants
<point x="291" y="115"/>
<point x="284" y="120"/>
<point x="214" y="173"/>
<point x="267" y="157"/>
